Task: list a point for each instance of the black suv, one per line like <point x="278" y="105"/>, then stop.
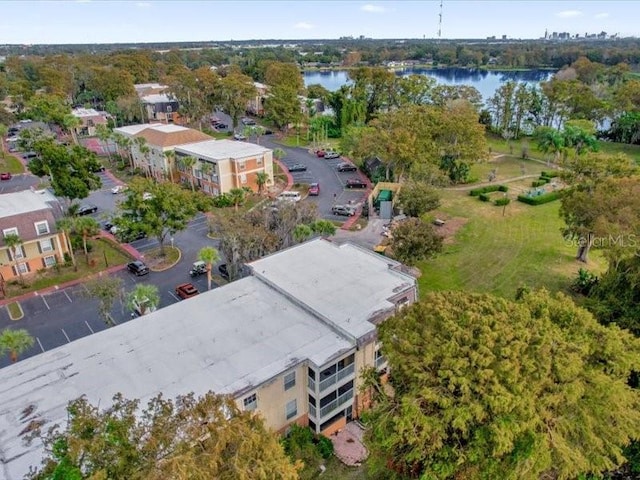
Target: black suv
<point x="86" y="209"/>
<point x="138" y="268"/>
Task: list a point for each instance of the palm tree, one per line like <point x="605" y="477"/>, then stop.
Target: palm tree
<point x="123" y="143"/>
<point x="3" y="133"/>
<point x="261" y="180"/>
<point x="66" y="225"/>
<point x="15" y="342"/>
<point x="13" y="242"/>
<point x="549" y="140"/>
<point x="143" y="298"/>
<point x="208" y="255"/>
<point x="70" y="123"/>
<point x="279" y="154"/>
<point x="187" y="164"/>
<point x="170" y="156"/>
<point x="207" y="169"/>
<point x="104" y="134"/>
<point x="86" y="227"/>
<point x="237" y="197"/>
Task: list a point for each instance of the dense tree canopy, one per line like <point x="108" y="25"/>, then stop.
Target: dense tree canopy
<point x="189" y="438"/>
<point x="485" y="387"/>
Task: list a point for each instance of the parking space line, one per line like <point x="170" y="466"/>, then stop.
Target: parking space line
<point x="89" y="326"/>
<point x="112" y="319"/>
<point x="41" y="347"/>
<point x="173" y="295"/>
<point x="67" y="295"/>
<point x="45" y="303"/>
<point x="66" y="336"/>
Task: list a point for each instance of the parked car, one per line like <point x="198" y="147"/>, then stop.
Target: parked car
<point x="239" y="136"/>
<point x="248" y="121"/>
<point x="329" y="155"/>
<point x="267" y="132"/>
<point x="138" y="268"/>
<point x="108" y="225"/>
<point x="347" y="167"/>
<point x="29" y="155"/>
<point x="220" y="126"/>
<point x="224" y="271"/>
<point x="118" y="189"/>
<point x="127" y="236"/>
<point x="186" y="290"/>
<point x="344" y="210"/>
<point x="320" y="153"/>
<point x="314" y="189"/>
<point x="355" y="183"/>
<point x="289" y="196"/>
<point x="5" y="176"/>
<point x="98" y="168"/>
<point x="297" y="167"/>
<point x="87" y="208"/>
<point x="198" y="268"/>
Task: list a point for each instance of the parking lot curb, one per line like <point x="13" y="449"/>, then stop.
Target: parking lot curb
<point x="19" y="308"/>
<point x="170" y="266"/>
<point x="62" y="286"/>
<point x="286" y="172"/>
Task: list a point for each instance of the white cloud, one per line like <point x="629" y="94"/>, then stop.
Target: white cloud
<point x="372" y="8"/>
<point x="143" y="4"/>
<point x="601" y="15"/>
<point x="569" y="13"/>
<point x="303" y="26"/>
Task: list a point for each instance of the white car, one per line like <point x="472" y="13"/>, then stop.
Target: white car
<point x="118" y="189"/>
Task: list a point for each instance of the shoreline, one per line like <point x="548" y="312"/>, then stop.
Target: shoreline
<point x="429" y="67"/>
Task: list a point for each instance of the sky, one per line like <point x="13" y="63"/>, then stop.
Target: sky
<point x="111" y="21"/>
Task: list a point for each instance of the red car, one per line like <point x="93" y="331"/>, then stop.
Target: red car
<point x="186" y="290"/>
<point x="314" y="189"/>
<point x="5" y="176"/>
<point x="320" y="153"/>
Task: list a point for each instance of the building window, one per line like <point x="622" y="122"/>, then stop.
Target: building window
<point x="291" y="409"/>
<point x="250" y="402"/>
<point x="49" y="261"/>
<point x="21" y="268"/>
<point x="46" y="245"/>
<point x="10" y="231"/>
<point x="289" y="380"/>
<point x="42" y="227"/>
<point x="243" y="178"/>
<point x="242" y="165"/>
<point x="17" y="254"/>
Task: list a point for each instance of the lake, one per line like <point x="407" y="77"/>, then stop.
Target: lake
<point x="486" y="81"/>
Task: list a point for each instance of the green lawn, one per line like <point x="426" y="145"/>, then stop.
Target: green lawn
<point x="11" y="164"/>
<point x="506" y="167"/>
<point x="497" y="254"/>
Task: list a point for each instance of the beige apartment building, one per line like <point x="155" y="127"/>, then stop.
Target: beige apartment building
<point x="221" y="165"/>
<point x="288" y="342"/>
<point x="31" y="215"/>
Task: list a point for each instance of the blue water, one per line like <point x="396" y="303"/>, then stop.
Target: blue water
<point x="487" y="82"/>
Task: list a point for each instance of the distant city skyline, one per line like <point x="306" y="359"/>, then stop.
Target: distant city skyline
<point x="96" y="21"/>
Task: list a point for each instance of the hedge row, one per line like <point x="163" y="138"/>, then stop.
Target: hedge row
<point x="488" y="189"/>
<point x="483" y="197"/>
<point x="540" y="199"/>
<point x="501" y="202"/>
<point x="540" y="182"/>
<point x="549" y="174"/>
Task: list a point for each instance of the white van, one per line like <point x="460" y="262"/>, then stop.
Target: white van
<point x="289" y="196"/>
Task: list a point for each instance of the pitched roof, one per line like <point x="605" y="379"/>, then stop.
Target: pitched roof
<point x="22" y="210"/>
<point x="170" y="135"/>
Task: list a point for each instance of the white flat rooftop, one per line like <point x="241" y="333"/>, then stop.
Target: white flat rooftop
<point x="157" y="98"/>
<point x="85" y="112"/>
<point x="134" y="129"/>
<point x="343" y="283"/>
<point x="169" y="128"/>
<point x="227" y="340"/>
<point x="222" y="149"/>
<point x="24" y="202"/>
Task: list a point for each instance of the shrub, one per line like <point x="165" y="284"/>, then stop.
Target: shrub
<point x="222" y="201"/>
<point x="549" y="174"/>
<point x="483" y="197"/>
<point x="488" y="189"/>
<point x="324" y="446"/>
<point x="501" y="202"/>
<point x="540" y="199"/>
<point x="538" y="183"/>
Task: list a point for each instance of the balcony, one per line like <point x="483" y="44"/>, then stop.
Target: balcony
<point x="311" y="383"/>
<point x="312" y="411"/>
<point x="337" y="403"/>
<point x="336" y="377"/>
<point x="380" y="361"/>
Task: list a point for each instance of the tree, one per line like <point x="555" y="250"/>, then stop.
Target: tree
<point x="104" y="134"/>
<point x="66" y="226"/>
<point x="157" y="209"/>
<point x="414" y="240"/>
<point x="170" y="156"/>
<point x="186" y="165"/>
<point x="237" y="197"/>
<point x="144" y="298"/>
<point x="549" y="140"/>
<point x="208" y="255"/>
<point x="282" y="105"/>
<point x="86" y="227"/>
<point x="106" y="290"/>
<point x="417" y="198"/>
<point x="189" y="437"/>
<point x="15" y="342"/>
<point x="70" y="123"/>
<point x="235" y="91"/>
<point x="3" y="133"/>
<point x="13" y="243"/>
<point x="485" y="387"/>
<point x="261" y="180"/>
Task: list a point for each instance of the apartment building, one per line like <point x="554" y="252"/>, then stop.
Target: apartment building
<point x="158" y="104"/>
<point x="150" y="155"/>
<point x="31" y="215"/>
<point x="221" y="165"/>
<point x="89" y="118"/>
<point x="288" y="342"/>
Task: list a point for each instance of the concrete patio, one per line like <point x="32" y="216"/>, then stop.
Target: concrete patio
<point x="348" y="445"/>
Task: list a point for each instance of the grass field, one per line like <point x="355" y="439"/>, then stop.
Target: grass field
<point x="506" y="167"/>
<point x="497" y="254"/>
<point x="11" y="164"/>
